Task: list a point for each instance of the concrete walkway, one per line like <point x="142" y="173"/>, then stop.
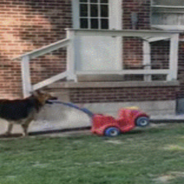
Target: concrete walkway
<point x="53" y="118"/>
<point x="59" y="118"/>
<point x="168" y="118"/>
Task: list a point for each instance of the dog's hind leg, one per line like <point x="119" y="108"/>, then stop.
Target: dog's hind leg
<point x="10" y="126"/>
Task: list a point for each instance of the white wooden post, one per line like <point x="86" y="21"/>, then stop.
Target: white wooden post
<point x="146" y="59"/>
<point x="71" y="56"/>
<point x="26" y="78"/>
<point x="173" y="59"/>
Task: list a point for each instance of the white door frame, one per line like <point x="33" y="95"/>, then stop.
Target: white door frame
<point x="115" y="12"/>
<point x="115" y="22"/>
<point x="75" y="14"/>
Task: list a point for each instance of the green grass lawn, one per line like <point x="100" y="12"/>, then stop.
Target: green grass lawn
<point x="146" y="156"/>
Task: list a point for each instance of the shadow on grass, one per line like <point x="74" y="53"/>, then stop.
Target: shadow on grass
<point x="140" y="131"/>
<point x="10" y="136"/>
<point x="136" y="131"/>
<point x="45" y="132"/>
<point x="145" y="131"/>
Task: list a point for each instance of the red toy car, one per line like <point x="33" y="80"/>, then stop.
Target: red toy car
<point x="127" y="120"/>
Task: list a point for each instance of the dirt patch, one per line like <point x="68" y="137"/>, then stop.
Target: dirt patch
<point x="164" y="179"/>
<point x="114" y="141"/>
<point x="174" y="148"/>
<point x="54" y="133"/>
<point x="157" y="125"/>
<point x="167" y="178"/>
<point x="68" y="134"/>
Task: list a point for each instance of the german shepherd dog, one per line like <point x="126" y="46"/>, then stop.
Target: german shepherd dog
<point x="23" y="111"/>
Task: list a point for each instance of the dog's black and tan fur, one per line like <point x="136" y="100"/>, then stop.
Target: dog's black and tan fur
<point x="22" y="111"/>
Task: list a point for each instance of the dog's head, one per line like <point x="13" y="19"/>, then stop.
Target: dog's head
<point x="43" y="97"/>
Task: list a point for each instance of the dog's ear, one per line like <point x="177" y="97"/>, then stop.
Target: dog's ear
<point x="32" y="93"/>
<point x="38" y="92"/>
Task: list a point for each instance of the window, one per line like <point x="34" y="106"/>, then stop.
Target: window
<point x="94" y="14"/>
<point x="167" y="14"/>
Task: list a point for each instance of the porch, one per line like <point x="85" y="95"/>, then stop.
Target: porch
<point x="103" y="54"/>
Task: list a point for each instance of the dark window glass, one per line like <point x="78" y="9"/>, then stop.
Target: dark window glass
<point x="94" y="1"/>
<point x="104" y="24"/>
<point x="94" y="10"/>
<point x="83" y="1"/>
<point x="94" y="24"/>
<point x="83" y="10"/>
<point x="83" y="23"/>
<point x="104" y="11"/>
<point x="104" y="1"/>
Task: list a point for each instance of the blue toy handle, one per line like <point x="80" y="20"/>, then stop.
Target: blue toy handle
<point x="88" y="112"/>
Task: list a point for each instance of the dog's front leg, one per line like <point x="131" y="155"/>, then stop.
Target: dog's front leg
<point x="25" y="128"/>
<point x="10" y="126"/>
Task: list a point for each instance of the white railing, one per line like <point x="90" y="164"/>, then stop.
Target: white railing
<point x="71" y="74"/>
<point x="44" y="50"/>
<point x="148" y="36"/>
<point x="25" y="65"/>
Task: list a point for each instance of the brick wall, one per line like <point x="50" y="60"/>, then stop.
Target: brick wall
<point x="132" y="53"/>
<point x="160" y="52"/>
<point x="181" y="69"/>
<point x="25" y="26"/>
<point x="142" y="8"/>
<point x="96" y="95"/>
<point x="133" y="47"/>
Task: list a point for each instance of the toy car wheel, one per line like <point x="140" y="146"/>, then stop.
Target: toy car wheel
<point x="112" y="132"/>
<point x="142" y="121"/>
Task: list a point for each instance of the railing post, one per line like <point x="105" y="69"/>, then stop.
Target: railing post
<point x="146" y="59"/>
<point x="71" y="75"/>
<point x="26" y="78"/>
<point x="173" y="59"/>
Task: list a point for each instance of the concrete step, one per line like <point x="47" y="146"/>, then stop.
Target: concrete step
<point x="167" y="118"/>
<point x="100" y="78"/>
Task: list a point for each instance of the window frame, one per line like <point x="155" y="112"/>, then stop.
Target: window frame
<point x="166" y="10"/>
<point x="115" y="14"/>
<point x="89" y="17"/>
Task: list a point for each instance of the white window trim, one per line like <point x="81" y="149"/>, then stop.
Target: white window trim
<point x="169" y="27"/>
<point x="167" y="6"/>
<point x="115" y="14"/>
<point x="75" y="14"/>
